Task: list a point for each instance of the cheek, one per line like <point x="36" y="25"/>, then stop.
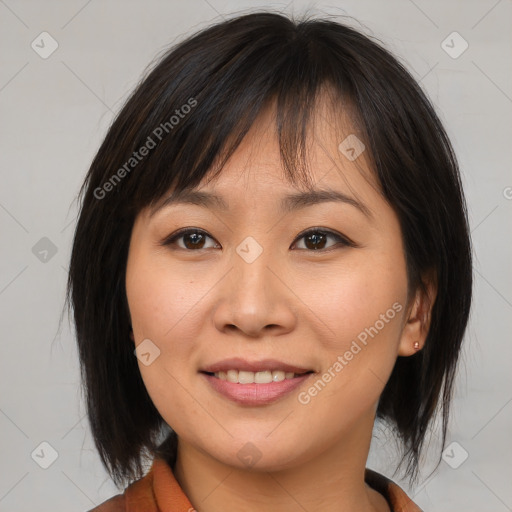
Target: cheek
<point x="355" y="297"/>
<point x="161" y="298"/>
<point x="161" y="301"/>
<point x="362" y="306"/>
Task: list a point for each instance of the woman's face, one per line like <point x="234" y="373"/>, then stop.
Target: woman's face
<point x="266" y="285"/>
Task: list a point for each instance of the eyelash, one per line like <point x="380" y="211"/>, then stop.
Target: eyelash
<point x="345" y="242"/>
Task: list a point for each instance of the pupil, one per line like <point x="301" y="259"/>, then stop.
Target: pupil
<point x="315" y="239"/>
<point x="196" y="238"/>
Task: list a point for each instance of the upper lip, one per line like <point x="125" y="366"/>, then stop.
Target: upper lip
<point x="237" y="363"/>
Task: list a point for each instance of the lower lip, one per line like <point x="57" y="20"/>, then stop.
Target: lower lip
<point x="255" y="394"/>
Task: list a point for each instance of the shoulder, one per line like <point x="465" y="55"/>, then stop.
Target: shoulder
<point x="114" y="504"/>
<point x="395" y="496"/>
<point x="137" y="497"/>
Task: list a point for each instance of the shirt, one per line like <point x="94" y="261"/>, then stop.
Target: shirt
<point x="159" y="491"/>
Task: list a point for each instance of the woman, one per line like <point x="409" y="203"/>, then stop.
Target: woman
<point x="272" y="252"/>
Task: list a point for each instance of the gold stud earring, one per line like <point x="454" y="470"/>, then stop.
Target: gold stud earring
<point x="416" y="345"/>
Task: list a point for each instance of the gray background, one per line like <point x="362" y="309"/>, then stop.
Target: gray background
<point x="55" y="112"/>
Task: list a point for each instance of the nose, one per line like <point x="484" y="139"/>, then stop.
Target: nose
<point x="254" y="298"/>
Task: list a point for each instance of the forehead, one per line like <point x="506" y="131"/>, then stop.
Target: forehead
<point x="337" y="163"/>
<point x="253" y="185"/>
<point x="336" y="158"/>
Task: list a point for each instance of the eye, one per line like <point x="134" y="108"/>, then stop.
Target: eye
<point x="315" y="239"/>
<point x="194" y="239"/>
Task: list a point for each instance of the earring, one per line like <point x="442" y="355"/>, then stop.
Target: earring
<point x="416" y="345"/>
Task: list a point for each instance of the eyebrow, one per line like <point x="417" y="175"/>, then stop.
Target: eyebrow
<point x="289" y="203"/>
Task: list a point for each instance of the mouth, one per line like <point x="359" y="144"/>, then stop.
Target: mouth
<point x="254" y="383"/>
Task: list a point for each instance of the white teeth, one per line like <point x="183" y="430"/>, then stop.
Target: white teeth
<point x="279" y="375"/>
<point x="263" y="377"/>
<point x="246" y="377"/>
<point x="232" y="376"/>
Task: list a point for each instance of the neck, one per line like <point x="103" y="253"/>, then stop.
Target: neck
<point x="332" y="481"/>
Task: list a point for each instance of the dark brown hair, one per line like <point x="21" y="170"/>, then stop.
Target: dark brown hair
<point x="196" y="105"/>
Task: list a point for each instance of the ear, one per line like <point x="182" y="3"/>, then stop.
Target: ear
<point x="418" y="316"/>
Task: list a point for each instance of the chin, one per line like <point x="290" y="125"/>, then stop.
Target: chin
<point x="259" y="454"/>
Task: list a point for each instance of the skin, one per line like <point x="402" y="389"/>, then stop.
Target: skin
<point x="293" y="303"/>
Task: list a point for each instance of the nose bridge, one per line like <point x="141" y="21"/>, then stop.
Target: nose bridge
<point x="254" y="298"/>
<point x="252" y="275"/>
